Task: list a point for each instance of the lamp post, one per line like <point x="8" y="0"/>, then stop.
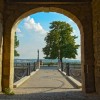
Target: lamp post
<point x="38" y="61"/>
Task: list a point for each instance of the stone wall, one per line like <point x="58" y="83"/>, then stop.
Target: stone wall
<point x="1" y="5"/>
<point x="15" y="12"/>
<point x="1" y="31"/>
<point x="96" y="31"/>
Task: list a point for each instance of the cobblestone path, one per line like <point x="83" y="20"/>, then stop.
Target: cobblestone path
<point x="47" y="84"/>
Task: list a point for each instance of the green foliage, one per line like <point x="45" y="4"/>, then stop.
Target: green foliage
<point x="49" y="63"/>
<point x="16" y="44"/>
<point x="60" y="38"/>
<point x="8" y="91"/>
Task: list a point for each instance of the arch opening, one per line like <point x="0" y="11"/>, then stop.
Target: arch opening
<point x="49" y="9"/>
<point x="25" y="23"/>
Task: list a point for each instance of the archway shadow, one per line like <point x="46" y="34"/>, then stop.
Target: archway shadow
<point x="68" y="95"/>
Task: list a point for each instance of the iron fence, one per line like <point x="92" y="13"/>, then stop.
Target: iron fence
<point x="23" y="69"/>
<point x="73" y="70"/>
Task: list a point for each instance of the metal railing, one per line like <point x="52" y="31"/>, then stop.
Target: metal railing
<point x="73" y="70"/>
<point x="23" y="69"/>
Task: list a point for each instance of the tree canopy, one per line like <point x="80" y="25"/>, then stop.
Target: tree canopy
<point x="60" y="40"/>
<point x="16" y="44"/>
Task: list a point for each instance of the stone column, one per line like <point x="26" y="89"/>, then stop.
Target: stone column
<point x="1" y="31"/>
<point x="88" y="76"/>
<point x="1" y="38"/>
<point x="8" y="55"/>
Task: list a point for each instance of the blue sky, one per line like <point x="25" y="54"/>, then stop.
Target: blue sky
<point x="32" y="30"/>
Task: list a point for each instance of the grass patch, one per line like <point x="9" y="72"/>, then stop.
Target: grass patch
<point x="8" y="91"/>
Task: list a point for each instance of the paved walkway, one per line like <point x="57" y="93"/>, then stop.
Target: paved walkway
<point x="47" y="84"/>
<point x="45" y="80"/>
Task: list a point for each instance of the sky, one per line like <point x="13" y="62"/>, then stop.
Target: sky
<point x="32" y="30"/>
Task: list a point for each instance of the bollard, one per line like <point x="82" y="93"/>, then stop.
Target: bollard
<point x="27" y="71"/>
<point x="67" y="69"/>
<point x="29" y="68"/>
<point x="34" y="66"/>
<point x="61" y="66"/>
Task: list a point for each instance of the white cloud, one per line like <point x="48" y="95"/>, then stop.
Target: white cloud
<point x="18" y="30"/>
<point x="30" y="24"/>
<point x="74" y="32"/>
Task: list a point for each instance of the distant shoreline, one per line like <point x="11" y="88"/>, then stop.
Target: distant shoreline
<point x="47" y="60"/>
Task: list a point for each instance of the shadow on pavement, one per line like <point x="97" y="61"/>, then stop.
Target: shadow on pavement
<point x="69" y="95"/>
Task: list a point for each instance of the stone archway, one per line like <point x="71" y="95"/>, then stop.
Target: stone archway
<point x="13" y="17"/>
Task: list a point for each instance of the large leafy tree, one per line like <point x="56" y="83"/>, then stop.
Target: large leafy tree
<point x="16" y="44"/>
<point x="60" y="41"/>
